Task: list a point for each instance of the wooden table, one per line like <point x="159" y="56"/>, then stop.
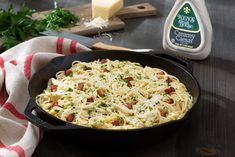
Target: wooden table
<point x="211" y="131"/>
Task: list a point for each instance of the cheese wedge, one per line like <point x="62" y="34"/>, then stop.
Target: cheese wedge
<point x="105" y="8"/>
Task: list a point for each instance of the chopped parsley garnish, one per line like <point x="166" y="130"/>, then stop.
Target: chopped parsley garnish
<point x="138" y="76"/>
<point x="102" y="104"/>
<point x="120" y="78"/>
<point x="102" y="77"/>
<point x="70" y="90"/>
<point x="126" y="72"/>
<point x="165" y="109"/>
<point x="71" y="75"/>
<point x="90" y="110"/>
<point x="134" y="98"/>
<point x="60" y="18"/>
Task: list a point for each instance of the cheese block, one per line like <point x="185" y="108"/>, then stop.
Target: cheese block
<point x="105" y="8"/>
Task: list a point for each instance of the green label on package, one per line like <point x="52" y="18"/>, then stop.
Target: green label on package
<point x="186" y="19"/>
<point x="185" y="31"/>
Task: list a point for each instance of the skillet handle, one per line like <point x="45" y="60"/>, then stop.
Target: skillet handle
<point x="42" y="123"/>
<point x="184" y="63"/>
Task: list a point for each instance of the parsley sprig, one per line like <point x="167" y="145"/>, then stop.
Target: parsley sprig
<point x="60" y="18"/>
<point x="16" y="27"/>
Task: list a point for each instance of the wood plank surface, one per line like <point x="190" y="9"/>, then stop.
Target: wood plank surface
<point x="211" y="130"/>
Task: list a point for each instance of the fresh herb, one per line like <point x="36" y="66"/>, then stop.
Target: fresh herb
<point x="102" y="104"/>
<point x="90" y="110"/>
<point x="102" y="77"/>
<point x="16" y="27"/>
<point x="138" y="76"/>
<point x="121" y="120"/>
<point x="60" y="18"/>
<point x="70" y="90"/>
<point x="120" y="78"/>
<point x="165" y="94"/>
<point x="126" y="72"/>
<point x="71" y="75"/>
<point x="165" y="109"/>
<point x="72" y="104"/>
<point x="134" y="98"/>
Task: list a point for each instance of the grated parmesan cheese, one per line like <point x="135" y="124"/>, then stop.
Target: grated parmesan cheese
<point x="97" y="23"/>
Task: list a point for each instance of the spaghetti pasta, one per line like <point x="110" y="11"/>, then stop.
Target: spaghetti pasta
<point x="115" y="95"/>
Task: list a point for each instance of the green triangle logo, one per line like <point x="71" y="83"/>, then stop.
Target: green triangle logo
<point x="186" y="20"/>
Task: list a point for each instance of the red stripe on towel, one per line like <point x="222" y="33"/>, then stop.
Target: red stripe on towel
<point x="27" y="66"/>
<point x="13" y="110"/>
<point x="2" y="66"/>
<point x="2" y="92"/>
<point x="13" y="62"/>
<point x="59" y="45"/>
<point x="18" y="149"/>
<point x="2" y="96"/>
<point x="1" y="144"/>
<point x="73" y="45"/>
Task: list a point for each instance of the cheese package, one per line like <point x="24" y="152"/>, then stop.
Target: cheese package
<point x="105" y="8"/>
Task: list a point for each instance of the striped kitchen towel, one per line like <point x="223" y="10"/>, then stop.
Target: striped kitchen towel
<point x="18" y="137"/>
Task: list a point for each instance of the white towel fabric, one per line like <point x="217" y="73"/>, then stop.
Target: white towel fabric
<point x="18" y="137"/>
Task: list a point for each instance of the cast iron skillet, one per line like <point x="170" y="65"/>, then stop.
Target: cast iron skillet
<point x="38" y="83"/>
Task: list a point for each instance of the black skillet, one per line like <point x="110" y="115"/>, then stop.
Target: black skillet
<point x="175" y="66"/>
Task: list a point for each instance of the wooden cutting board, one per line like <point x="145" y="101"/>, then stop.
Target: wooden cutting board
<point x="115" y="23"/>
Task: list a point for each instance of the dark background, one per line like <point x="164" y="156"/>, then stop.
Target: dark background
<point x="211" y="131"/>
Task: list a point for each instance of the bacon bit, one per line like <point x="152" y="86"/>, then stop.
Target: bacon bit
<point x="128" y="79"/>
<point x="91" y="99"/>
<point x="70" y="117"/>
<point x="129" y="105"/>
<point x="116" y="123"/>
<point x="102" y="61"/>
<point x="54" y="88"/>
<point x="55" y="104"/>
<point x="106" y="70"/>
<point x="161" y="73"/>
<point x="168" y="80"/>
<point x="80" y="86"/>
<point x="129" y="84"/>
<point x="100" y="92"/>
<point x="169" y="90"/>
<point x="86" y="68"/>
<point x="169" y="101"/>
<point x="68" y="72"/>
<point x="162" y="112"/>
